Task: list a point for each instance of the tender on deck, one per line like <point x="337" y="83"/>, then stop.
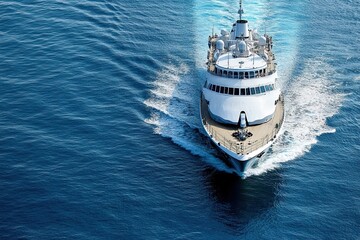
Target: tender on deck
<point x="261" y="134"/>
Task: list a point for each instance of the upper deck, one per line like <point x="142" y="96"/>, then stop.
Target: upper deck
<point x="227" y="60"/>
<point x="261" y="134"/>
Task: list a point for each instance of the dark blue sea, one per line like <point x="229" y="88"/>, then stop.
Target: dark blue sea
<point x="100" y="134"/>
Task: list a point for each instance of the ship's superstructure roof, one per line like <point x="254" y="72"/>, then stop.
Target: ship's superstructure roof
<point x="228" y="61"/>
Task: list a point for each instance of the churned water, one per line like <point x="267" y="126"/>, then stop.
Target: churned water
<point x="100" y="134"/>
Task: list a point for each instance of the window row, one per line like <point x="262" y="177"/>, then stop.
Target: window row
<point x="241" y="91"/>
<point x="240" y="75"/>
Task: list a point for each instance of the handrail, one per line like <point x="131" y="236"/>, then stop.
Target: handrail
<point x="239" y="147"/>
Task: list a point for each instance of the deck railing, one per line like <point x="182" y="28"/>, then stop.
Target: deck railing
<point x="244" y="147"/>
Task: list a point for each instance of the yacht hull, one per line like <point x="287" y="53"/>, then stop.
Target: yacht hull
<point x="241" y="155"/>
<point x="237" y="166"/>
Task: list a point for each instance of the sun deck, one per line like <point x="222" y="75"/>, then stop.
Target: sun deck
<point x="261" y="134"/>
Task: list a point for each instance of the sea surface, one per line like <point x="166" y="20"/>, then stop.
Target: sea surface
<point x="100" y="134"/>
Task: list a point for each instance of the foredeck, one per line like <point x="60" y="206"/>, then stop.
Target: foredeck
<point x="261" y="134"/>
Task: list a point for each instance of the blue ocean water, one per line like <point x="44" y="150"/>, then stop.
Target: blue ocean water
<point x="100" y="136"/>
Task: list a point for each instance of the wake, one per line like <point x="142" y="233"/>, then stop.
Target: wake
<point x="309" y="101"/>
<point x="175" y="103"/>
<point x="310" y="98"/>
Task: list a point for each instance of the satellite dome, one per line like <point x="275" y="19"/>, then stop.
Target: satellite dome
<point x="242" y="47"/>
<point x="220" y="45"/>
<point x="262" y="41"/>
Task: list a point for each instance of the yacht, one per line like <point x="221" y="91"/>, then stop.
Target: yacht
<point x="242" y="108"/>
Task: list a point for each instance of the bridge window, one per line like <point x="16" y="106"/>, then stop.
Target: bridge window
<point x="251" y="74"/>
<point x="241" y="75"/>
<point x="236" y="91"/>
<point x="225" y="72"/>
<point x="252" y="90"/>
<point x="246" y="74"/>
<point x="242" y="91"/>
<point x="236" y="75"/>
<point x="231" y="91"/>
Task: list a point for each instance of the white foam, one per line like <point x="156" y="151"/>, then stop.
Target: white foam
<point x="174" y="103"/>
<point x="310" y="100"/>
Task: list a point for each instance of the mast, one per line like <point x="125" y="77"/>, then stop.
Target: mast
<point x="241" y="10"/>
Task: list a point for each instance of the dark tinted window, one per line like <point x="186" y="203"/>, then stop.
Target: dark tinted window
<point x="257" y="90"/>
<point x="251" y="74"/>
<point x="252" y="91"/>
<point x="236" y="75"/>
<point x="248" y="91"/>
<point x="236" y="91"/>
<point x="213" y="87"/>
<point x="241" y="74"/>
<point x="262" y="89"/>
<point x="267" y="88"/>
<point x="217" y="88"/>
<point x="221" y="89"/>
<point x="246" y="75"/>
<point x="242" y="91"/>
<point x="231" y="91"/>
<point x="226" y="90"/>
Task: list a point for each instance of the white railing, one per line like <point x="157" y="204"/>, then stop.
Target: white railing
<point x="245" y="147"/>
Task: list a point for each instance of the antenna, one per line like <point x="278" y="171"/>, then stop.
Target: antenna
<point x="253" y="59"/>
<point x="241" y="10"/>
<point x="228" y="59"/>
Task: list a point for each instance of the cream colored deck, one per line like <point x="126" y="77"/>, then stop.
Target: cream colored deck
<point x="262" y="134"/>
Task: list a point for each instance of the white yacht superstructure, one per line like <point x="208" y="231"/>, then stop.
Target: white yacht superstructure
<point x="241" y="105"/>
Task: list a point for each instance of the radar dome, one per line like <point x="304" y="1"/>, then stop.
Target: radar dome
<point x="242" y="47"/>
<point x="262" y="41"/>
<point x="220" y="45"/>
<point x="224" y="32"/>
